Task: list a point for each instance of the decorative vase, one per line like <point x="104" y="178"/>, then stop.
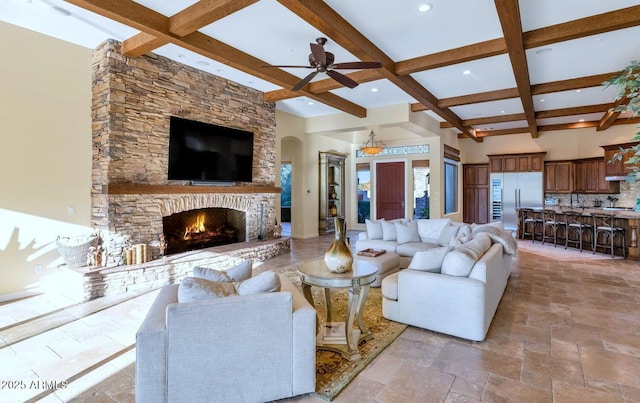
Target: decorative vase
<point x="333" y="210"/>
<point x="338" y="257"/>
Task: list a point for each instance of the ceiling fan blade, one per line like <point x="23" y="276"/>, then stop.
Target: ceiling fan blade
<point x="287" y="67"/>
<point x="342" y="79"/>
<point x="318" y="53"/>
<point x="356" y="65"/>
<point x="304" y="81"/>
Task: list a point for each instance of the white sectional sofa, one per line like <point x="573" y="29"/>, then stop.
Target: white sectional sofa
<point x="406" y="237"/>
<point x="455" y="277"/>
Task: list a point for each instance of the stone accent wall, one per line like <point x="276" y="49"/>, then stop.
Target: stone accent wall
<point x="133" y="99"/>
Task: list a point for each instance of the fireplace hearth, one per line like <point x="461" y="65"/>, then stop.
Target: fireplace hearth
<point x="203" y="228"/>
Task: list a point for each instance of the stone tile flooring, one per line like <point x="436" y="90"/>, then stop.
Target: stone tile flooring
<point x="567" y="330"/>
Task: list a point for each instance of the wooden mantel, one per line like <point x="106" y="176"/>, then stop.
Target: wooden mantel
<point x="132" y="188"/>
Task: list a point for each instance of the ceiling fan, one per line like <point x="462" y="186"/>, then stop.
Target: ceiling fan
<point x="323" y="62"/>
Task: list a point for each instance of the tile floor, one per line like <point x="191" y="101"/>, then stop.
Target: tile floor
<point x="567" y="330"/>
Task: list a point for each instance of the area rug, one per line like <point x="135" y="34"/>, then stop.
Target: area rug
<point x="333" y="373"/>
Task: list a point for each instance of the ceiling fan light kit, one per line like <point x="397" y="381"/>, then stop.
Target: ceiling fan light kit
<point x="323" y="62"/>
<point x="372" y="146"/>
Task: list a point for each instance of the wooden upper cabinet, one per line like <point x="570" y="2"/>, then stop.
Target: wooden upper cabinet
<point x="530" y="162"/>
<point x="590" y="177"/>
<point x="618" y="168"/>
<point x="558" y="176"/>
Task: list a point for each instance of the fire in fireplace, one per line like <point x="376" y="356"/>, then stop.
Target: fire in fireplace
<point x="202" y="228"/>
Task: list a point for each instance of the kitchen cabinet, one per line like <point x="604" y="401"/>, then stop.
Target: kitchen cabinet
<point x="475" y="202"/>
<point x="558" y="176"/>
<point x="589" y="174"/>
<point x="527" y="162"/>
<point x="617" y="170"/>
<point x="331" y="192"/>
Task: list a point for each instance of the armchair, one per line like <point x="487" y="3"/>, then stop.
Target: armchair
<point x="250" y="348"/>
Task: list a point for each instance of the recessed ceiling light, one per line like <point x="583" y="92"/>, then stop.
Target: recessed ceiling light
<point x="309" y="103"/>
<point x="202" y="62"/>
<point x="423" y="8"/>
<point x="581" y="120"/>
<point x="578" y="90"/>
<point x="542" y="100"/>
<point x="374" y="89"/>
<point x="543" y="51"/>
<point x="501" y="111"/>
<point x="466" y="72"/>
<point x="181" y="55"/>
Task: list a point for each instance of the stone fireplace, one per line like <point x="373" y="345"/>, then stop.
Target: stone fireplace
<point x="133" y="100"/>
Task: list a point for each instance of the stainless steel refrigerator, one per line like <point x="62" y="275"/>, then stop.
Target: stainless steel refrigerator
<point x="510" y="191"/>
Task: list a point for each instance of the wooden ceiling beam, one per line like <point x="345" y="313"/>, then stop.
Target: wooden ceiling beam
<point x="319" y="15"/>
<point x="189" y="20"/>
<point x="571" y="84"/>
<point x="462" y="54"/>
<point x="153" y="23"/>
<point x="593" y="25"/>
<point x="509" y="15"/>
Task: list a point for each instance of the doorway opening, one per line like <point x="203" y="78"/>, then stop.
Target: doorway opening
<point x="286" y="173"/>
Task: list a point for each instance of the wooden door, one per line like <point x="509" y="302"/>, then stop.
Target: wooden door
<point x="390" y="190"/>
<point x="475" y="188"/>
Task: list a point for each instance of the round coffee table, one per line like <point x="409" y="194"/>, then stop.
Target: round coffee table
<point x="357" y="281"/>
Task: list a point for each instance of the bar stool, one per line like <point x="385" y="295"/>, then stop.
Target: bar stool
<point x="575" y="222"/>
<point x="603" y="224"/>
<point x="551" y="221"/>
<point x="530" y="220"/>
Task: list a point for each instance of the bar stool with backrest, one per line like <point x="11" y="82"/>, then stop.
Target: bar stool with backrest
<point x="531" y="219"/>
<point x="576" y="223"/>
<point x="551" y="222"/>
<point x="603" y="224"/>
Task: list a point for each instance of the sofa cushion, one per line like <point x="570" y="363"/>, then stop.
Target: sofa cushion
<point x="374" y="228"/>
<point x="238" y="272"/>
<point x="197" y="289"/>
<point x="266" y="281"/>
<point x="459" y="262"/>
<point x="409" y="249"/>
<point x="429" y="260"/>
<point x="407" y="232"/>
<point x="430" y="228"/>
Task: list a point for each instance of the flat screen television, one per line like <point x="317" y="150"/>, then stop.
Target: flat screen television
<point x="203" y="152"/>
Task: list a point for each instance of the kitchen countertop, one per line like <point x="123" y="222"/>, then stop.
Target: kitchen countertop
<point x="591" y="210"/>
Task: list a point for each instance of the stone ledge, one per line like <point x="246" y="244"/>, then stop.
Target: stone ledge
<point x="103" y="281"/>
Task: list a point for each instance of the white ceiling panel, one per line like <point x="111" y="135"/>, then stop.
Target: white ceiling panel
<point x="486" y="109"/>
<point x="573" y="98"/>
<point x="543" y="13"/>
<point x="481" y="75"/>
<point x="501" y="126"/>
<point x="375" y="94"/>
<point x="384" y="22"/>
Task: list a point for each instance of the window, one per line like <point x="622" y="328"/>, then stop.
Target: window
<point x="363" y="189"/>
<point x="451" y="162"/>
<point x="420" y="189"/>
<point x="285" y="196"/>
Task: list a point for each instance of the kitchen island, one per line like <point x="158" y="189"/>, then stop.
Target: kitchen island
<point x="623" y="217"/>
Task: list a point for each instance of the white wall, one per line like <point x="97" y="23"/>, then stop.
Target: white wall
<point x="45" y="152"/>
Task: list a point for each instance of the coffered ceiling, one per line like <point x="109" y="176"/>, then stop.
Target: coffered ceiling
<point x="483" y="67"/>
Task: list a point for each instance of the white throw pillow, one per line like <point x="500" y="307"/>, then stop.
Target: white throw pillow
<point x="464" y="233"/>
<point x="389" y="231"/>
<point x="374" y="228"/>
<point x="448" y="233"/>
<point x="238" y="272"/>
<point x="431" y="228"/>
<point x="266" y="281"/>
<point x="429" y="260"/>
<point x="407" y="232"/>
<point x="198" y="289"/>
<point x="458" y="263"/>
